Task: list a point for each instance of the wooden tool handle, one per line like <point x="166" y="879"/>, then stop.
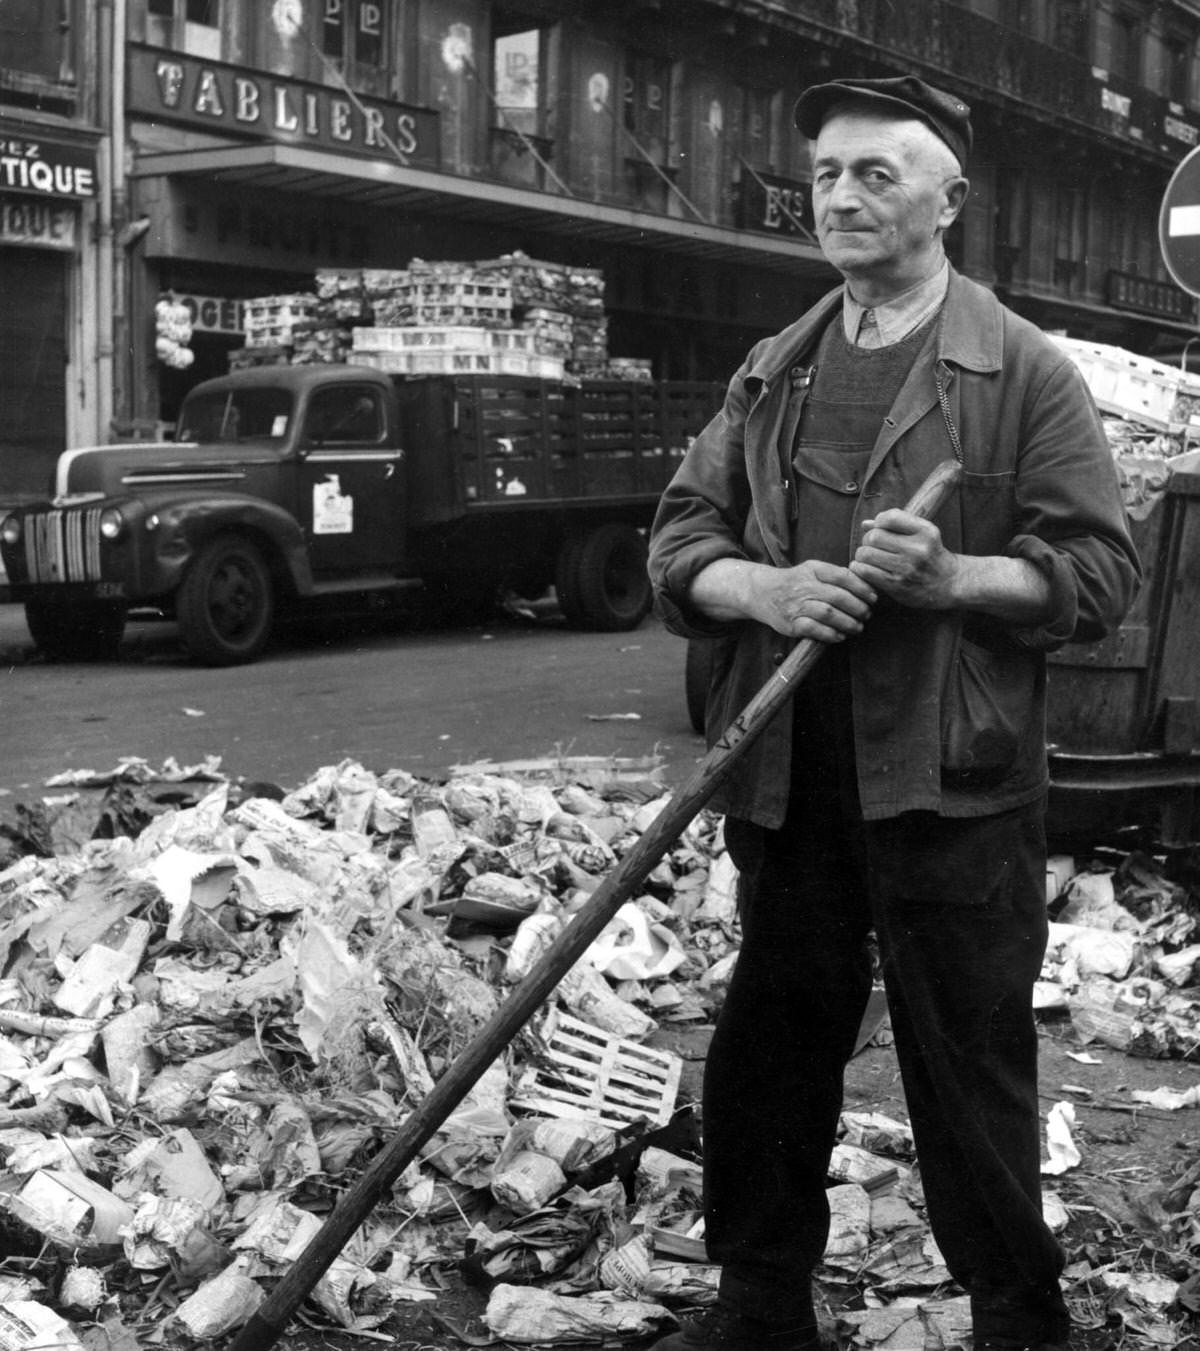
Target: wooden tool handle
<point x="357" y="1202"/>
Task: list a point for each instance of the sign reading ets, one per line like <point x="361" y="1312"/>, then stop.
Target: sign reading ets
<point x="1179" y="224"/>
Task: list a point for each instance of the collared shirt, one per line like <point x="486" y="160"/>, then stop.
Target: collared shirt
<point x="882" y="325"/>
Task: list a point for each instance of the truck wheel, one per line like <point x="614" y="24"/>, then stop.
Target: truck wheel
<point x="697" y="673"/>
<point x="566" y="581"/>
<point x="602" y="581"/>
<point x="80" y="630"/>
<point x="226" y="603"/>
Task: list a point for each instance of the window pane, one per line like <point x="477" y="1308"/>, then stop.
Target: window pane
<point x="248" y="414"/>
<point x="207" y="12"/>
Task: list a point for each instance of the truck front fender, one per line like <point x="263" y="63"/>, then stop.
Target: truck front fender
<point x="179" y="527"/>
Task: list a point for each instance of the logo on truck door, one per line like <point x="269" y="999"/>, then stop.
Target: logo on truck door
<point x="333" y="514"/>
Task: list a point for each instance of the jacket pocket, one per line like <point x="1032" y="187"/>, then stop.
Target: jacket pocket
<point x="986" y="708"/>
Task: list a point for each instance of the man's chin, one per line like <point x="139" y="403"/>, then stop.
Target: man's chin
<point x="850" y="260"/>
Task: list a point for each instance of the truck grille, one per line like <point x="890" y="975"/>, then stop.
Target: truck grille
<point x="63" y="546"/>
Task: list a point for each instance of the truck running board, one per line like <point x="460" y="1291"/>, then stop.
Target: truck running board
<point x="348" y="585"/>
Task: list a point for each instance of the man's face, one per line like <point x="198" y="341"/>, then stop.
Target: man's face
<point x="883" y="189"/>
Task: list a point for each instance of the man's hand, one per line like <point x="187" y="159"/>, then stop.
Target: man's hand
<point x="811" y="600"/>
<point x="816" y="600"/>
<point x="904" y="557"/>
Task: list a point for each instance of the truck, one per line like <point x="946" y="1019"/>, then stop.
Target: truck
<point x="286" y="486"/>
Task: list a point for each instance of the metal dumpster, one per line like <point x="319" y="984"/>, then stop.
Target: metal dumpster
<point x="1123" y="718"/>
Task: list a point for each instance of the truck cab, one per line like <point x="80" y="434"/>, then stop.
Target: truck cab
<point x="283" y="483"/>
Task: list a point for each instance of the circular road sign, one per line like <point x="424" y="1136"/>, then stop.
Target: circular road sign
<point x="1179" y="223"/>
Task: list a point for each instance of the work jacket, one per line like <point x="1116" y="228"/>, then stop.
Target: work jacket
<point x="949" y="707"/>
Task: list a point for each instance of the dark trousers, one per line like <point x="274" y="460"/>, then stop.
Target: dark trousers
<point x="958" y="910"/>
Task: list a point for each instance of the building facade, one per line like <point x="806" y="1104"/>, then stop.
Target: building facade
<point x="53" y="209"/>
<point x="256" y="141"/>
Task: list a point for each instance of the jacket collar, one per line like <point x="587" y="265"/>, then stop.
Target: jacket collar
<point x="970" y="333"/>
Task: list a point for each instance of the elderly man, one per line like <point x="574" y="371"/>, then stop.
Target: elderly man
<point x="903" y="792"/>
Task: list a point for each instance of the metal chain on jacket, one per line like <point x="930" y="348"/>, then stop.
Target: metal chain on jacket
<point x="943" y="396"/>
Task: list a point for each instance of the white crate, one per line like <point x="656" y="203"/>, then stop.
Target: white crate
<point x="1131" y="386"/>
<point x="542" y="367"/>
<point x="394" y="363"/>
<point x="594" y="1075"/>
<point x="513" y="339"/>
<point x="277" y="335"/>
<point x="401" y="338"/>
<point x="272" y="311"/>
<point x="449" y="361"/>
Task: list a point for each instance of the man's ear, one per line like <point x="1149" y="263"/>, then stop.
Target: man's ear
<point x="956" y="190"/>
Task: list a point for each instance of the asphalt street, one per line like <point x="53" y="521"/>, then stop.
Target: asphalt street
<point x="421" y="700"/>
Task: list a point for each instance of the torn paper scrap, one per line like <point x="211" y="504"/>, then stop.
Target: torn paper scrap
<point x="1059" y="1144"/>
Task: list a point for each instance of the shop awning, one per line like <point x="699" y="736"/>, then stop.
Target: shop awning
<point x="298" y="169"/>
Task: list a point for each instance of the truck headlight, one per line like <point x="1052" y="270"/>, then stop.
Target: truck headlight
<point x="10" y="530"/>
<point x="112" y="523"/>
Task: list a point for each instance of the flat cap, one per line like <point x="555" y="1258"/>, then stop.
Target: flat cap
<point x="943" y="113"/>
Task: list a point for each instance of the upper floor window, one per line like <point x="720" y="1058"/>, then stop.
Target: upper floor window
<point x="37" y="39"/>
<point x="192" y="26"/>
<point x="1125" y="61"/>
<point x="354" y="31"/>
<point x="1071" y="32"/>
<point x="646" y="104"/>
<point x="517" y="80"/>
<point x="1177" y="69"/>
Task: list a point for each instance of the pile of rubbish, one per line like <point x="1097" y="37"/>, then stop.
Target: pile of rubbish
<point x="1151" y="416"/>
<point x="1125" y="969"/>
<point x="220" y="1000"/>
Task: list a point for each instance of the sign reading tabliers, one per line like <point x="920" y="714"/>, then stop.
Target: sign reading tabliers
<point x="172" y="87"/>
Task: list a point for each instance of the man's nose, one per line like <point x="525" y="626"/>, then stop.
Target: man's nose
<point x="844" y="194"/>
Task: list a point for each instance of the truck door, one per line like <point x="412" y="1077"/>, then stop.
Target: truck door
<point x="351" y="482"/>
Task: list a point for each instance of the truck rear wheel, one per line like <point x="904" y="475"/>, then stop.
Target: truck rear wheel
<point x="602" y="582"/>
<point x="79" y="630"/>
<point x="226" y="603"/>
